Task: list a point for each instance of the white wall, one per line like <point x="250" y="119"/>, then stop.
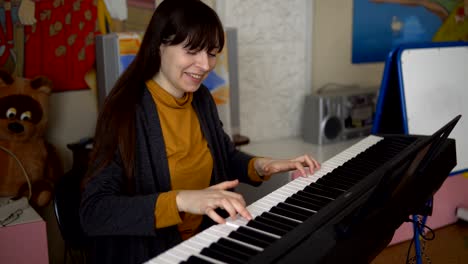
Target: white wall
<point x="73" y="116"/>
<point x="272" y="38"/>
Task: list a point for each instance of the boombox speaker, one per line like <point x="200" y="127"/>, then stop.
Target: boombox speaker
<point x="340" y="115"/>
<point x="322" y="119"/>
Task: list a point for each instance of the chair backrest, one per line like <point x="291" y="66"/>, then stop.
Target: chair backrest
<point x="66" y="206"/>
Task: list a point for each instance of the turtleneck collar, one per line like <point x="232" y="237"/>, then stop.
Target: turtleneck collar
<point x="162" y="96"/>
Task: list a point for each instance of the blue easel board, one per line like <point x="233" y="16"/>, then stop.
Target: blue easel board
<point x="423" y="87"/>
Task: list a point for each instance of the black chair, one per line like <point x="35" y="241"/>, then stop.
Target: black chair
<point x="67" y="198"/>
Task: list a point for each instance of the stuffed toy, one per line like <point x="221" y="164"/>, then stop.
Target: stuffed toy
<point x="29" y="165"/>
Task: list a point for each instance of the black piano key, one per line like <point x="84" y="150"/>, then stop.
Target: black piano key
<point x="238" y="247"/>
<point x="350" y="173"/>
<point x="377" y="155"/>
<point x="195" y="260"/>
<point x="315" y="197"/>
<point x="279" y="219"/>
<point x="365" y="167"/>
<point x="355" y="175"/>
<point x="267" y="227"/>
<point x="302" y="203"/>
<point x="310" y="200"/>
<point x="333" y="176"/>
<point x="335" y="183"/>
<point x="362" y="160"/>
<point x="229" y="251"/>
<point x="321" y="190"/>
<point x="363" y="163"/>
<point x="341" y="178"/>
<point x="287" y="213"/>
<point x="220" y="256"/>
<point x="258" y="235"/>
<point x="269" y="221"/>
<point x="248" y="239"/>
<point x="295" y="209"/>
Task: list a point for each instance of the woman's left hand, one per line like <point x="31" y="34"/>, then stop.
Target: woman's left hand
<point x="267" y="167"/>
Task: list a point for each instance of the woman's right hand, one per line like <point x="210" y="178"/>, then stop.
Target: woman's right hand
<point x="207" y="200"/>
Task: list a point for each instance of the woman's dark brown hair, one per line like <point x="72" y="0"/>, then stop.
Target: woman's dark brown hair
<point x="173" y="22"/>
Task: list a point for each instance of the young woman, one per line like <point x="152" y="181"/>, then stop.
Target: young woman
<point x="161" y="160"/>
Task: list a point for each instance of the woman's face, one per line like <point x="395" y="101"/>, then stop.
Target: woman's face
<point x="183" y="70"/>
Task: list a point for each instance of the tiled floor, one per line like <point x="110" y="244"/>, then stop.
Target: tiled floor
<point x="450" y="246"/>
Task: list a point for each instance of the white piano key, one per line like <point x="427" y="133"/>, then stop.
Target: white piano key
<point x="256" y="210"/>
<point x="267" y="203"/>
<point x="195" y="245"/>
<point x="240" y="221"/>
<point x="209" y="259"/>
<point x="164" y="258"/>
<point x="181" y="252"/>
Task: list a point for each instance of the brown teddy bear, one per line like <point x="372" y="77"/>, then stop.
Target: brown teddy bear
<point x="23" y="150"/>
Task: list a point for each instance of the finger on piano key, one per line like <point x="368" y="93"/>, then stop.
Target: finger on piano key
<point x="237" y="222"/>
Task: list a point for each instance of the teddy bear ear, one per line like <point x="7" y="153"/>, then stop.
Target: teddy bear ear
<point x="5" y="78"/>
<point x="42" y="84"/>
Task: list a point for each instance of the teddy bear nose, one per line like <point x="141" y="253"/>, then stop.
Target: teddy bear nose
<point x="16" y="127"/>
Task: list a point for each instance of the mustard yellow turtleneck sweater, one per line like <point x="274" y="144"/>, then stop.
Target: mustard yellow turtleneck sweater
<point x="190" y="160"/>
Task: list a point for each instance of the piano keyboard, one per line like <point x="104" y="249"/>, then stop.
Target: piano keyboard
<point x="280" y="211"/>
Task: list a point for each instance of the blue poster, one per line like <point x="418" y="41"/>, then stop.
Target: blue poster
<point x="381" y="25"/>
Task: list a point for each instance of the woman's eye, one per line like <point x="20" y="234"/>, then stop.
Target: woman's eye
<point x="212" y="54"/>
<point x="192" y="52"/>
<point x="26" y="116"/>
<point x="11" y="113"/>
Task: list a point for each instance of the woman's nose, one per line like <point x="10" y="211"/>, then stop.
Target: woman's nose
<point x="203" y="60"/>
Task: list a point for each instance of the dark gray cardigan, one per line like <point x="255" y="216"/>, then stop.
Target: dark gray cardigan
<point x="121" y="227"/>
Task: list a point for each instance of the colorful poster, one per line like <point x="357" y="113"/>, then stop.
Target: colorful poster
<point x="381" y="25"/>
<point x="218" y="84"/>
<point x="129" y="43"/>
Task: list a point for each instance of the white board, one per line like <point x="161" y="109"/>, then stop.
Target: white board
<point x="435" y="89"/>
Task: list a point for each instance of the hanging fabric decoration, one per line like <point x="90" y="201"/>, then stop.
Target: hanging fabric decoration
<point x="61" y="43"/>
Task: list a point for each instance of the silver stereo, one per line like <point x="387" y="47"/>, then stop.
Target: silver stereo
<point x="339" y="115"/>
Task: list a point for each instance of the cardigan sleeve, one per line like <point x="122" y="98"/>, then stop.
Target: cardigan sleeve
<point x="106" y="209"/>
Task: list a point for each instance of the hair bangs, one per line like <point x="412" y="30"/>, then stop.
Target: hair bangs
<point x="199" y="28"/>
<point x="205" y="37"/>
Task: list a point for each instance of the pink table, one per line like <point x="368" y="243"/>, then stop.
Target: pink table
<point x="452" y="194"/>
<point x="25" y="240"/>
